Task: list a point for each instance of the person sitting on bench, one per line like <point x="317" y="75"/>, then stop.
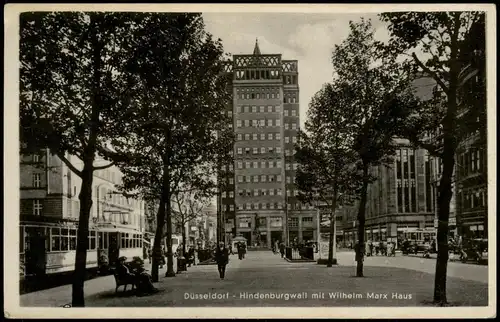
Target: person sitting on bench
<point x="142" y="280"/>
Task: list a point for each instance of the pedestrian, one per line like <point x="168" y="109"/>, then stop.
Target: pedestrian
<point x="282" y="249"/>
<point x="222" y="258"/>
<point x="150" y="254"/>
<point x="370" y="246"/>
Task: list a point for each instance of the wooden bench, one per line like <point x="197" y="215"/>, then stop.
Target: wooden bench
<point x="123" y="280"/>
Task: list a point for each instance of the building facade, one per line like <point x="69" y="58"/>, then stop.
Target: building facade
<point x="49" y="189"/>
<point x="260" y="195"/>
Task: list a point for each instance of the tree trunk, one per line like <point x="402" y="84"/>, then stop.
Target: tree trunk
<point x="170" y="255"/>
<point x="361" y="220"/>
<point x="448" y="157"/>
<point x="160" y="220"/>
<point x="78" y="297"/>
<point x="183" y="237"/>
<point x="85" y="197"/>
<point x="331" y="240"/>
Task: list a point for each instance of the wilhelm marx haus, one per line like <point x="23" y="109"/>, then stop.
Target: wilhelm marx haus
<point x="259" y="195"/>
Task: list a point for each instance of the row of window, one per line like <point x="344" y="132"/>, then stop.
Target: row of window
<point x="64" y="239"/>
<point x="264" y="164"/>
<point x="257" y="74"/>
<point x="262" y="150"/>
<point x="263" y="206"/>
<point x="471" y="162"/>
<point x="263" y="178"/>
<point x="258" y="123"/>
<point x="262" y="109"/>
<point x="471" y="199"/>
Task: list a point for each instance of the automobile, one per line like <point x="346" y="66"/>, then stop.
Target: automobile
<point x="474" y="250"/>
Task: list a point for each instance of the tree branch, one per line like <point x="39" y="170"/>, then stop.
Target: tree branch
<point x="431" y="73"/>
<point x="104" y="166"/>
<point x="69" y="164"/>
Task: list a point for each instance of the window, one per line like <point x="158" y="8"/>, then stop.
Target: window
<point x="231" y="194"/>
<point x="287" y="166"/>
<point x="286" y="112"/>
<point x="262" y="149"/>
<point x="255" y="178"/>
<point x="37" y="180"/>
<point x="271" y="165"/>
<point x="231" y="181"/>
<point x="262" y="136"/>
<point x="294" y="126"/>
<point x="278" y="149"/>
<point x="278" y="109"/>
<point x="288" y="180"/>
<point x="294" y="113"/>
<point x="262" y="109"/>
<point x="238" y="108"/>
<point x="293" y="222"/>
<point x="230" y="167"/>
<point x="247" y="165"/>
<point x="231" y="207"/>
<point x="255" y="137"/>
<point x="278" y="164"/>
<point x="295" y="166"/>
<point x="271" y="192"/>
<point x="255" y="150"/>
<point x="270" y="109"/>
<point x="278" y="178"/>
<point x="224" y="194"/>
<point x="254" y="108"/>
<point x="269" y="136"/>
<point x="240" y="178"/>
<point x="247" y="123"/>
<point x="248" y="178"/>
<point x="278" y="122"/>
<point x="275" y="222"/>
<point x="287" y="139"/>
<point x="238" y="123"/>
<point x="262" y="122"/>
<point x="240" y="165"/>
<point x="269" y="122"/>
<point x="247" y="137"/>
<point x="270" y="149"/>
<point x="278" y="136"/>
<point x="294" y="139"/>
<point x="240" y="137"/>
<point x="37" y="207"/>
<point x="255" y="123"/>
<point x="262" y="164"/>
<point x="263" y="178"/>
<point x="307" y="219"/>
<point x="247" y="150"/>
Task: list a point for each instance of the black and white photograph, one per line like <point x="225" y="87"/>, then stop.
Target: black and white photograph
<point x="250" y="160"/>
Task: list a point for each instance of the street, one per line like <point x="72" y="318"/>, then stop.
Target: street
<point x="265" y="279"/>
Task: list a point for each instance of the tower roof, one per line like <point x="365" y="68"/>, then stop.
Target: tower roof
<point x="256" y="50"/>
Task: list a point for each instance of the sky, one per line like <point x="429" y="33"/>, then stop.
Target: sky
<point x="307" y="37"/>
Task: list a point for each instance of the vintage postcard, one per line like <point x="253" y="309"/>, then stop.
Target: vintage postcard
<point x="265" y="161"/>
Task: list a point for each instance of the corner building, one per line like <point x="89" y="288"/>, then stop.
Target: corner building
<point x="260" y="194"/>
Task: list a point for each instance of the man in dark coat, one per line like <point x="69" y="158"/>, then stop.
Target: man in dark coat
<point x="222" y="258"/>
<point x="282" y="249"/>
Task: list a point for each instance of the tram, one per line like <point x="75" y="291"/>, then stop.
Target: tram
<point x="50" y="248"/>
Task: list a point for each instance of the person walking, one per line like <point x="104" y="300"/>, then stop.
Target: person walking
<point x="282" y="250"/>
<point x="222" y="258"/>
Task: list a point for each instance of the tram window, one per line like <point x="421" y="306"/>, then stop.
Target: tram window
<point x="92" y="239"/>
<point x="72" y="239"/>
<point x="122" y="240"/>
<point x="100" y="244"/>
<point x="64" y="243"/>
<point x="105" y="240"/>
<point x="21" y="239"/>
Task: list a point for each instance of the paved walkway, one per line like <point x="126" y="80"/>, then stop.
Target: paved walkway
<point x="265" y="279"/>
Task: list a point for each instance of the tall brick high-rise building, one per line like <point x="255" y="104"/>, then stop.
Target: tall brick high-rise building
<point x="260" y="194"/>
